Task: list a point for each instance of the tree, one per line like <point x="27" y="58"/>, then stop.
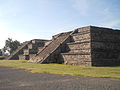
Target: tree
<point x="1" y="52"/>
<point x="11" y="45"/>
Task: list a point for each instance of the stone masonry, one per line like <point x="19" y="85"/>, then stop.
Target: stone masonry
<point x="28" y="49"/>
<point x="86" y="46"/>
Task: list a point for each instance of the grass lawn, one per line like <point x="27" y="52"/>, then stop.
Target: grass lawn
<point x="112" y="72"/>
<point x="2" y="57"/>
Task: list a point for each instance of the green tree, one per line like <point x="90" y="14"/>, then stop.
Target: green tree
<point x="1" y="52"/>
<point x="11" y="45"/>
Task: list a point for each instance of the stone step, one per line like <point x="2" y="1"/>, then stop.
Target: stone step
<point x="81" y="33"/>
<point x="38" y="41"/>
<point x="14" y="55"/>
<point x="43" y="55"/>
<point x="76" y="56"/>
<point x="40" y="48"/>
<point x="84" y="51"/>
<point x="32" y="46"/>
<point x="82" y="40"/>
<point x="78" y="42"/>
<point x="81" y="63"/>
<point x="81" y="37"/>
<point x="84" y="29"/>
<point x="71" y="53"/>
<point x="47" y="42"/>
<point x="30" y="51"/>
<point x="77" y="59"/>
<point x="31" y="56"/>
<point x="79" y="45"/>
<point x="23" y="57"/>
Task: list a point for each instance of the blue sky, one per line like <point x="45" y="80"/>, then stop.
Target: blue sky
<point x="29" y="19"/>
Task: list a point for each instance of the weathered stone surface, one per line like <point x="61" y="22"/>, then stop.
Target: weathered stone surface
<point x="81" y="51"/>
<point x="32" y="46"/>
<point x="48" y="52"/>
<point x="84" y="29"/>
<point x="18" y="51"/>
<point x="46" y="43"/>
<point x="31" y="56"/>
<point x="23" y="57"/>
<point x="26" y="48"/>
<point x="80" y="45"/>
<point x="105" y="45"/>
<point x="79" y="37"/>
<point x="30" y="51"/>
<point x="77" y="59"/>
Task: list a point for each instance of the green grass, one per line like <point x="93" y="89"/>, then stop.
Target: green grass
<point x="2" y="56"/>
<point x="112" y="72"/>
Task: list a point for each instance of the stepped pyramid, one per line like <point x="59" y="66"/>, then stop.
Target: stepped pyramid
<point x="27" y="49"/>
<point x="86" y="46"/>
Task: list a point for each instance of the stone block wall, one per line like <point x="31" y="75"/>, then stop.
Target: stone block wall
<point x="77" y="59"/>
<point x="32" y="48"/>
<point x="30" y="51"/>
<point x="94" y="46"/>
<point x="105" y="45"/>
<point x="79" y="45"/>
<point x="31" y="56"/>
<point x="23" y="57"/>
<point x="79" y="49"/>
<point x="46" y="43"/>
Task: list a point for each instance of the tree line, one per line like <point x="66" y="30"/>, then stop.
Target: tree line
<point x="10" y="47"/>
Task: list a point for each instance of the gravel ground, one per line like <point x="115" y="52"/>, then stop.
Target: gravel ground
<point x="17" y="79"/>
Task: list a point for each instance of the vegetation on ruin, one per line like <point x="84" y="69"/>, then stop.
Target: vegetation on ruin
<point x="111" y="72"/>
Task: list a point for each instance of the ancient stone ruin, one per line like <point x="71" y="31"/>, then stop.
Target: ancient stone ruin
<point x="86" y="46"/>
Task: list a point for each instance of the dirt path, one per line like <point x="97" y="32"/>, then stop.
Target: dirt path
<point x="14" y="79"/>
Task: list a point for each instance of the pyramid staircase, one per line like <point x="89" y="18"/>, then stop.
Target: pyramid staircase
<point x="46" y="55"/>
<point x="14" y="55"/>
<point x="76" y="45"/>
<point x="27" y="49"/>
<point x="32" y="49"/>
